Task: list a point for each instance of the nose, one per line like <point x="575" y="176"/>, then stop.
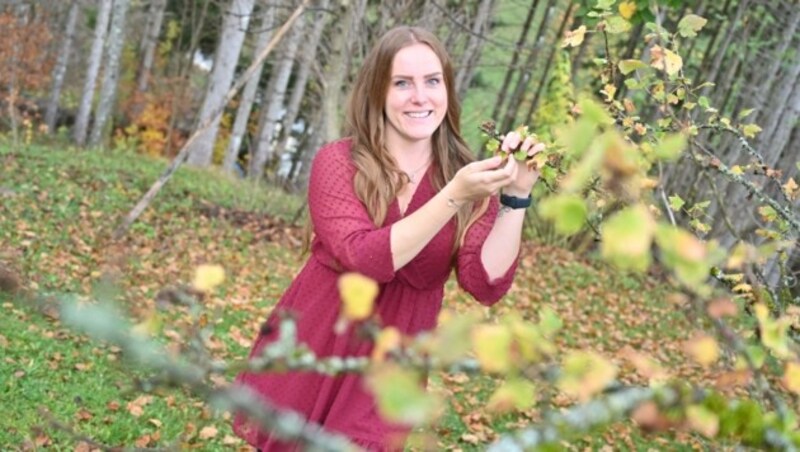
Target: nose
<point x="419" y="96"/>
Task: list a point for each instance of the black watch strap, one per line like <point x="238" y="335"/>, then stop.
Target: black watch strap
<point x="514" y="202"/>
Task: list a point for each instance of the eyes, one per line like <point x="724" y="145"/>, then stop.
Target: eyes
<point x="406" y="83"/>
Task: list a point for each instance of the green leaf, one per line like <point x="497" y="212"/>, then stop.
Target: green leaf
<point x="604" y="4"/>
<point x="584" y="374"/>
<point x="492" y="344"/>
<point x="773" y="332"/>
<point x="628" y="66"/>
<point x="670" y="147"/>
<point x="632" y="83"/>
<point x="400" y="395"/>
<point x="684" y="253"/>
<point x="549" y="322"/>
<point x="594" y="112"/>
<point x="676" y="203"/>
<point x="567" y="211"/>
<point x="702" y="420"/>
<point x="515" y="394"/>
<point x="745" y="113"/>
<point x="626" y="238"/>
<point x="616" y="25"/>
<point x="703" y="101"/>
<point x="690" y="25"/>
<point x="750" y="130"/>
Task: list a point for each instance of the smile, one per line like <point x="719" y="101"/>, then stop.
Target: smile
<point x="419" y="114"/>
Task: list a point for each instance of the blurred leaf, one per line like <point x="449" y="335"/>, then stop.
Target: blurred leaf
<point x="616" y="25"/>
<point x="684" y="253"/>
<point x="358" y="295"/>
<point x="549" y="321"/>
<point x="401" y="396"/>
<point x="584" y="374"/>
<point x="492" y="344"/>
<point x="626" y="238"/>
<point x="207" y="277"/>
<point x="676" y="203"/>
<point x="514" y="394"/>
<point x="665" y="59"/>
<point x="703" y="349"/>
<point x="750" y="130"/>
<point x="791" y="377"/>
<point x="574" y="38"/>
<point x="567" y="212"/>
<point x="702" y="420"/>
<point x="388" y="339"/>
<point x="627" y="9"/>
<point x="690" y="25"/>
<point x="628" y="66"/>
<point x="773" y="332"/>
<point x="670" y="147"/>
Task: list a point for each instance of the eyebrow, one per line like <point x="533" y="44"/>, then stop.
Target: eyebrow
<point x="435" y="74"/>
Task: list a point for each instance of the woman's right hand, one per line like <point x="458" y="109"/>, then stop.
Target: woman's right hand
<point x="480" y="179"/>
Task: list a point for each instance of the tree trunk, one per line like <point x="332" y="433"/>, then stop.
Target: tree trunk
<point x="776" y="133"/>
<point x="61" y="67"/>
<point x="249" y="93"/>
<point x="95" y="57"/>
<point x="431" y="17"/>
<point x="234" y="26"/>
<point x="273" y="103"/>
<point x="108" y="90"/>
<point x="307" y="60"/>
<point x="339" y="69"/>
<point x="512" y="66"/>
<point x="150" y="42"/>
<point x="545" y="74"/>
<point x="527" y="69"/>
<point x="472" y="52"/>
<point x="723" y="48"/>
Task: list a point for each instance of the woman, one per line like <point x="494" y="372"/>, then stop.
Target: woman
<point x="402" y="202"/>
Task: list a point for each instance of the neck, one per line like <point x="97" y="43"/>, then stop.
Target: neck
<point x="407" y="153"/>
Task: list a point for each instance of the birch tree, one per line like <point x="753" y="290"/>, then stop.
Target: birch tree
<point x="234" y="26"/>
<point x="249" y="93"/>
<point x="274" y="103"/>
<point x="466" y="67"/>
<point x="108" y="90"/>
<point x="93" y="68"/>
<point x="61" y="66"/>
<point x="152" y="31"/>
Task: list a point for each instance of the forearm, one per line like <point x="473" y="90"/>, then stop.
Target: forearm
<point x="501" y="247"/>
<point x="411" y="234"/>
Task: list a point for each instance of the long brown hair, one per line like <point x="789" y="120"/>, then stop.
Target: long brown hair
<point x="378" y="179"/>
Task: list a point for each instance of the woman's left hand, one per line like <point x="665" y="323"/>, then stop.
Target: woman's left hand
<point x="522" y="184"/>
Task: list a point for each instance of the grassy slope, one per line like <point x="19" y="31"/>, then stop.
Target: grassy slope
<point x="58" y="206"/>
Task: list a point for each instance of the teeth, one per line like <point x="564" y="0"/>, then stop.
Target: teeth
<point x="422" y="114"/>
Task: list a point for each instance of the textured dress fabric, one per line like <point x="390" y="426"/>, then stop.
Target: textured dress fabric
<point x="346" y="240"/>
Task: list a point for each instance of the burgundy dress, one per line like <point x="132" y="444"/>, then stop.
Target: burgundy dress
<point x="346" y="239"/>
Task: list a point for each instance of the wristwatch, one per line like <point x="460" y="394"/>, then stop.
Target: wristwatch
<point x="514" y="202"/>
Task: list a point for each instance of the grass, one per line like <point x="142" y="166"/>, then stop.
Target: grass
<point x="59" y="206"/>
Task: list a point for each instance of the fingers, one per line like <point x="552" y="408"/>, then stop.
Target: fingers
<point x="487" y="164"/>
<point x="511" y="141"/>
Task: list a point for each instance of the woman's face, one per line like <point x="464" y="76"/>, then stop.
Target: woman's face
<point x="416" y="101"/>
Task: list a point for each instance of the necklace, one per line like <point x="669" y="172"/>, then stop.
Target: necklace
<point x="412" y="176"/>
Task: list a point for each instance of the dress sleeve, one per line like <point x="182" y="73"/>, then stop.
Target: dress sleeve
<point x="340" y="219"/>
<point x="470" y="272"/>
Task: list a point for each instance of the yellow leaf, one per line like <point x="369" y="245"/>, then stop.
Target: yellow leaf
<point x="703" y="349"/>
<point x="627" y="9"/>
<point x="207" y="277"/>
<point x="515" y="394"/>
<point x="666" y="60"/>
<point x="400" y="395"/>
<point x="388" y="339"/>
<point x="702" y="420"/>
<point x="791" y="189"/>
<point x="750" y="130"/>
<point x="791" y="377"/>
<point x="492" y="345"/>
<point x="574" y="38"/>
<point x="736" y="169"/>
<point x="208" y="432"/>
<point x="358" y="295"/>
<point x="584" y="374"/>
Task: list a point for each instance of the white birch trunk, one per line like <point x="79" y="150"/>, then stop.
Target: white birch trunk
<point x="61" y="67"/>
<point x="93" y="68"/>
<point x="108" y="90"/>
<point x="155" y="18"/>
<point x="229" y="47"/>
<point x="307" y="59"/>
<point x="274" y="98"/>
<point x="249" y="92"/>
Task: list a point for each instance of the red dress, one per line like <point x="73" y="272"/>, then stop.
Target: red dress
<point x="346" y="239"/>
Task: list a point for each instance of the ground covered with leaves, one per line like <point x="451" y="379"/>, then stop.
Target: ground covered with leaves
<point x="58" y="207"/>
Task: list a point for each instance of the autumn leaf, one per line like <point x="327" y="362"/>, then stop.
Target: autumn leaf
<point x="722" y="307"/>
<point x="703" y="349"/>
<point x="791" y="377"/>
<point x="626" y="238"/>
<point x="492" y="347"/>
<point x="703" y="421"/>
<point x="401" y="396"/>
<point x="584" y="374"/>
<point x="207" y="432"/>
<point x="207" y="277"/>
<point x="690" y="25"/>
<point x="514" y="394"/>
<point x="628" y="66"/>
<point x="567" y="212"/>
<point x="773" y="332"/>
<point x="627" y="9"/>
<point x="750" y="130"/>
<point x="574" y="38"/>
<point x="791" y="189"/>
<point x="388" y="339"/>
<point x="666" y="60"/>
<point x="358" y="295"/>
<point x="670" y="147"/>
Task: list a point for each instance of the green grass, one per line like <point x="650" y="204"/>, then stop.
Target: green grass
<point x="53" y="232"/>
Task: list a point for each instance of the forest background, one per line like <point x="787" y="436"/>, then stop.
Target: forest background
<point x="658" y="290"/>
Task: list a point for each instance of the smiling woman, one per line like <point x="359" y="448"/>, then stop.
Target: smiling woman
<point x="401" y="201"/>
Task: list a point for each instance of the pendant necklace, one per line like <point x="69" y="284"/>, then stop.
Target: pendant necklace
<point x="412" y="176"/>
